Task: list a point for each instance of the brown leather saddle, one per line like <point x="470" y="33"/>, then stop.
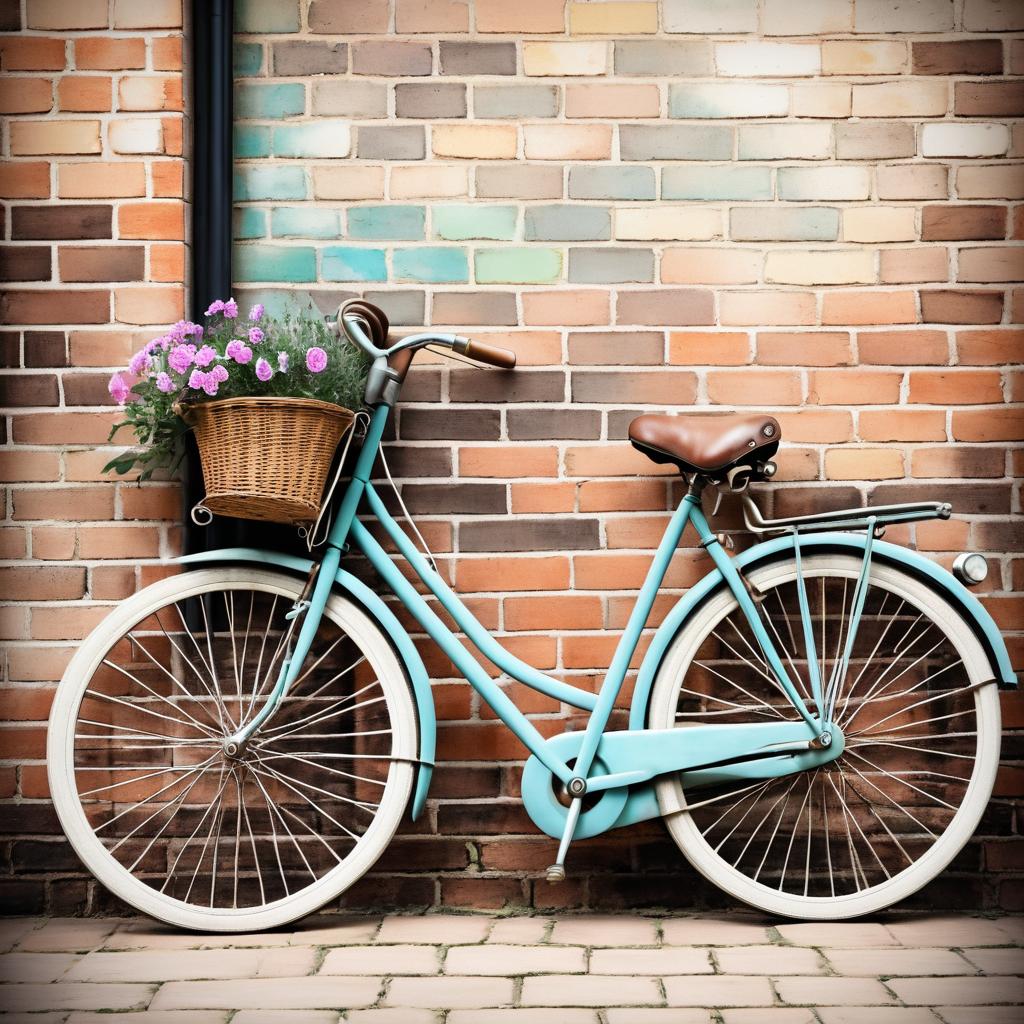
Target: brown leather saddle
<point x="707" y="443"/>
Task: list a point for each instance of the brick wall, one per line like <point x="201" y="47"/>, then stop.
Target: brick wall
<point x="93" y="259"/>
<point x="805" y="208"/>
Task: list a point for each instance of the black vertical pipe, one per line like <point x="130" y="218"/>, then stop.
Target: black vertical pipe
<point x="211" y="66"/>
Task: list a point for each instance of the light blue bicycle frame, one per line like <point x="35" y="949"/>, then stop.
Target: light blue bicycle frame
<point x="618" y="765"/>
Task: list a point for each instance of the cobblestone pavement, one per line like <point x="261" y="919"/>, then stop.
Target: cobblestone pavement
<point x="478" y="969"/>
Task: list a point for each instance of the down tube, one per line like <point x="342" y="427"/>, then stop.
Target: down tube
<point x="502" y="704"/>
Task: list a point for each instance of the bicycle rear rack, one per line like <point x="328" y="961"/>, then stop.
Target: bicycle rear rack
<point x="844" y="519"/>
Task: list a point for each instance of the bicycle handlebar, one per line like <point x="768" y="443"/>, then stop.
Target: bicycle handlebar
<point x="481" y="352"/>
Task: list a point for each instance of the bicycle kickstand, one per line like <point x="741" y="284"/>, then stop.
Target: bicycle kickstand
<point x="556" y="873"/>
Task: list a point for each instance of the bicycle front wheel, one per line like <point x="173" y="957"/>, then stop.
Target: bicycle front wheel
<point x="175" y="825"/>
<point x="919" y="712"/>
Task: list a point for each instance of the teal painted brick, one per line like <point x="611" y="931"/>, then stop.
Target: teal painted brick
<point x="269" y="182"/>
<point x="518" y="266"/>
<point x="717" y="182"/>
<point x="620" y="182"/>
<point x="314" y="139"/>
<point x="249" y="222"/>
<point x="569" y="222"/>
<point x="432" y="264"/>
<point x="266" y="16"/>
<point x="278" y="301"/>
<point x="247" y="59"/>
<point x="270" y="101"/>
<point x="304" y="222"/>
<point x="386" y="222"/>
<point x="675" y="142"/>
<point x="458" y="222"/>
<point x="274" y="263"/>
<point x="251" y="140"/>
<point x="347" y="263"/>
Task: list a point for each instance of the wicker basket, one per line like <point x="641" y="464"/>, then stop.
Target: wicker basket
<point x="266" y="458"/>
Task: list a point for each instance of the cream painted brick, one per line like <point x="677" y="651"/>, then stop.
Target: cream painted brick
<point x="604" y="930"/>
<point x="379" y="960"/>
<point x="757" y="308"/>
<point x="972" y="139"/>
<point x="993" y="181"/>
<point x="846" y="934"/>
<point x="881" y="16"/>
<point x="917" y="98"/>
<point x="776" y="60"/>
<point x="958" y="991"/>
<point x="893" y="1015"/>
<point x="196" y="964"/>
<point x="589" y="990"/>
<point x="313" y="993"/>
<point x="660" y="962"/>
<point x="871" y="963"/>
<point x="331" y="930"/>
<point x="725" y="930"/>
<point x="822" y="267"/>
<point x="718" y="991"/>
<point x="568" y="142"/>
<point x="775" y="1015"/>
<point x="811" y="141"/>
<point x="519" y="1015"/>
<point x="956" y="930"/>
<point x="703" y="18"/>
<point x="727" y="99"/>
<point x="767" y="960"/>
<point x="39" y="138"/>
<point x="434" y="181"/>
<point x="518" y="930"/>
<point x="474" y="141"/>
<point x="833" y="991"/>
<point x="655" y="1015"/>
<point x="449" y="993"/>
<point x="988" y="961"/>
<point x="60" y="14"/>
<point x="30" y="999"/>
<point x="853" y="57"/>
<point x="682" y="223"/>
<point x="69" y="935"/>
<point x="879" y="224"/>
<point x="35" y="967"/>
<point x="136" y="135"/>
<point x="348" y="182"/>
<point x="820" y="99"/>
<point x="137" y="14"/>
<point x="568" y="59"/>
<point x="613" y="17"/>
<point x="446" y="929"/>
<point x="913" y="181"/>
<point x="502" y="961"/>
<point x="993" y="15"/>
<point x="800" y="184"/>
<point x="711" y="266"/>
<point x="786" y="18"/>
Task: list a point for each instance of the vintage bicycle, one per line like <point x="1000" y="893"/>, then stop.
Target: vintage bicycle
<point x="816" y="721"/>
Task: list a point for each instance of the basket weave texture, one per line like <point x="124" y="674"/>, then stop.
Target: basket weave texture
<point x="267" y="458"/>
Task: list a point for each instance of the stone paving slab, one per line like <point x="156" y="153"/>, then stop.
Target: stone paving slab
<point x="725" y="968"/>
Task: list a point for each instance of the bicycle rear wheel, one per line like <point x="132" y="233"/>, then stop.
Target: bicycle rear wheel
<point x="919" y="712"/>
<point x="157" y="808"/>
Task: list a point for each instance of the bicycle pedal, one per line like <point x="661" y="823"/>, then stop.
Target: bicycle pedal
<point x="555" y="874"/>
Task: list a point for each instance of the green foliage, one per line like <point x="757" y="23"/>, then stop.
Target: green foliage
<point x="230" y="357"/>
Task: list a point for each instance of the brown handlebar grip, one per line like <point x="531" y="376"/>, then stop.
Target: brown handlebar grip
<point x="491" y="354"/>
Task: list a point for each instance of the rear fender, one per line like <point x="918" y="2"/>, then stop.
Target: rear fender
<point x="943" y="582"/>
<point x="385" y="618"/>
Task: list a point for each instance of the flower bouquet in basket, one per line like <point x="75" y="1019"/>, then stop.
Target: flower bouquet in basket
<point x="269" y="400"/>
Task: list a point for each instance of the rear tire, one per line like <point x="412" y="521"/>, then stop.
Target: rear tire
<point x="920" y="714"/>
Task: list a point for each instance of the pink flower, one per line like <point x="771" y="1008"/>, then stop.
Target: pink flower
<point x="139" y="363"/>
<point x="217" y="306"/>
<point x="316" y="360"/>
<point x="197" y="379"/>
<point x="264" y="370"/>
<point x="119" y="389"/>
<point x="256" y="313"/>
<point x="164" y="383"/>
<point x="239" y="351"/>
<point x="205" y="356"/>
<point x="181" y="358"/>
<point x="161" y="343"/>
<point x="210" y="385"/>
<point x="255" y="335"/>
<point x="282" y="361"/>
<point x="231" y="309"/>
<point x="219" y="373"/>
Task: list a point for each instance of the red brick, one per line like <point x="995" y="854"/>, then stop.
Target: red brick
<point x="31" y="53"/>
<point x="854" y="387"/>
<point x="85" y="93"/>
<point x="955" y="387"/>
<point x="903" y="348"/>
<point x="24" y="180"/>
<point x="109" y="53"/>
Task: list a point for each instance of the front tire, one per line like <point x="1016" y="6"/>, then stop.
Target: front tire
<point x="920" y="713"/>
<point x="152" y="801"/>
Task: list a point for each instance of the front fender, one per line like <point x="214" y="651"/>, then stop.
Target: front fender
<point x="972" y="610"/>
<point x="385" y="618"/>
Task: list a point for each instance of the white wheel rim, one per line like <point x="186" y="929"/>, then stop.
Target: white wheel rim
<point x="62" y="769"/>
<point x="687" y="834"/>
